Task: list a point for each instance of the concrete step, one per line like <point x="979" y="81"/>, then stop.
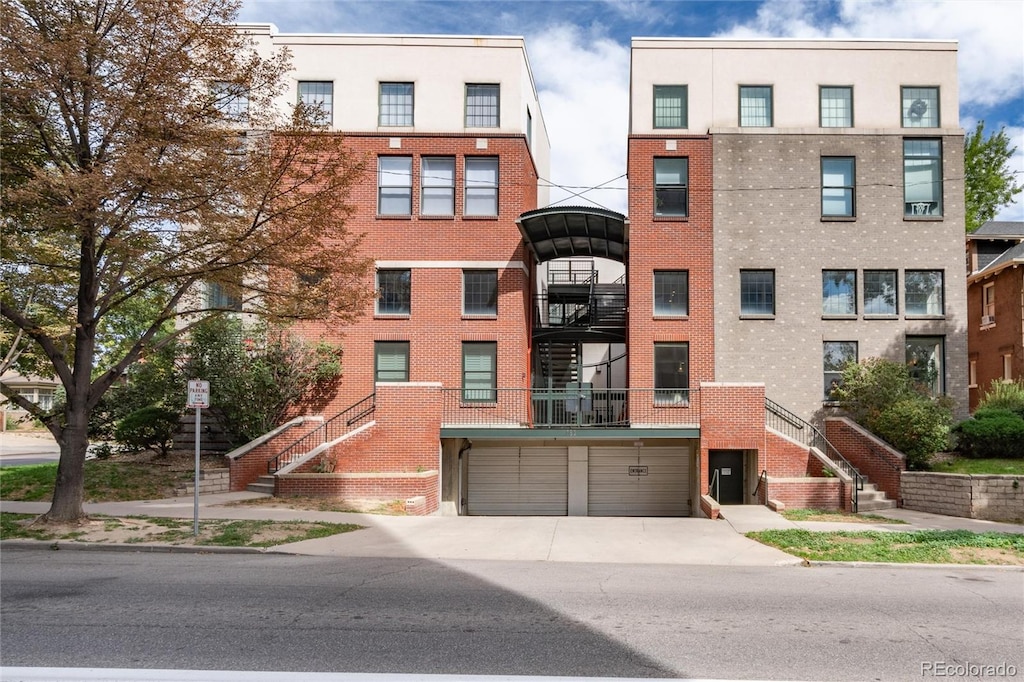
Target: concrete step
<point x="264" y="484"/>
<point x="869" y="505"/>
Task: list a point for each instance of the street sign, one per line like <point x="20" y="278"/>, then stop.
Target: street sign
<point x="198" y="394"/>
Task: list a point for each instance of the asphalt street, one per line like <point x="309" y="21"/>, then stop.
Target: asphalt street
<point x="405" y="615"/>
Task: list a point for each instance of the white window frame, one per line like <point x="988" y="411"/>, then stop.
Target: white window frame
<point x="988" y="304"/>
<point x="437" y="186"/>
<point x="482" y="174"/>
<point x="394" y="184"/>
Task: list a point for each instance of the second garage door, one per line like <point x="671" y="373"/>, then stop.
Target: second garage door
<point x="632" y="481"/>
<point x="514" y="481"/>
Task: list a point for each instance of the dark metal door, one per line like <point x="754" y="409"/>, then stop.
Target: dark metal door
<point x="725" y="475"/>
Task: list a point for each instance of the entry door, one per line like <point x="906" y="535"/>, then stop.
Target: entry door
<point x="729" y="465"/>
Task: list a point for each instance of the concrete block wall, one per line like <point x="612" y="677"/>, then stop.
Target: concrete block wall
<point x="210" y="481"/>
<point x="994" y="498"/>
<point x="872" y="457"/>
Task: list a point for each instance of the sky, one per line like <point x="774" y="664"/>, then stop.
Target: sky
<point x="579" y="54"/>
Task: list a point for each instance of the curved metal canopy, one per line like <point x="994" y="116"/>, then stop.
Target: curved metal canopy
<point x="566" y="231"/>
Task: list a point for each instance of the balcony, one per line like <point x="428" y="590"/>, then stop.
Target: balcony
<point x="596" y="412"/>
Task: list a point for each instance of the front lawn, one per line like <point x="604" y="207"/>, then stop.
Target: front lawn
<point x="962" y="465"/>
<point x="834" y="515"/>
<point x="914" y="547"/>
<point x="105" y="481"/>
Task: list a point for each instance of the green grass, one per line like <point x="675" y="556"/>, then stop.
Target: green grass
<point x="925" y="546"/>
<point x="104" y="481"/>
<point x="962" y="465"/>
<point x="222" y="533"/>
<point x="834" y="515"/>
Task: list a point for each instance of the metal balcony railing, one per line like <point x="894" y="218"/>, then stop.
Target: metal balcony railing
<point x="601" y="309"/>
<point x="571" y="272"/>
<point x="570" y="407"/>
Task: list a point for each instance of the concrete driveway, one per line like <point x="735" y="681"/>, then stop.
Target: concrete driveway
<point x="17" y="449"/>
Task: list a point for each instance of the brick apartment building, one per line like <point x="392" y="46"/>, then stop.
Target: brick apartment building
<point x="792" y="205"/>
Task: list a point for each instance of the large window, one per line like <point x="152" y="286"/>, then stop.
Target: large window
<point x="923" y="293"/>
<point x="926" y="360"/>
<point x="671" y="293"/>
<point x="835" y="356"/>
<point x="318" y="99"/>
<point x="479" y="371"/>
<point x="756" y="106"/>
<point x="437" y="177"/>
<point x="922" y="177"/>
<point x="394" y="293"/>
<point x="836" y="106"/>
<point x="838" y="181"/>
<point x="224" y="296"/>
<point x="396" y="104"/>
<point x="391" y="361"/>
<point x="670" y="106"/>
<point x="920" y="107"/>
<point x="839" y="292"/>
<point x="757" y="292"/>
<point x="671" y="177"/>
<point x="988" y="304"/>
<point x="482" y="105"/>
<point x="231" y="100"/>
<point x="480" y="292"/>
<point x="394" y="185"/>
<point x="482" y="186"/>
<point x="671" y="372"/>
<point x="880" y="292"/>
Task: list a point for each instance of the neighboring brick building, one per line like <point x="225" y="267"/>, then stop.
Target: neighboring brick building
<point x="525" y="359"/>
<point x="995" y="305"/>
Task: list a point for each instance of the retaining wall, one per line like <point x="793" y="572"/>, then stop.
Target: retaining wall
<point x="989" y="497"/>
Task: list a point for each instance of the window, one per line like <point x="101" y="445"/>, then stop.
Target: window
<point x="838" y="181"/>
<point x="670" y="106"/>
<point x="318" y="98"/>
<point x="925" y="358"/>
<point x="922" y="178"/>
<point x="972" y="374"/>
<point x="923" y="292"/>
<point x="670" y="181"/>
<point x="391" y="361"/>
<point x="1007" y="368"/>
<point x="480" y="292"/>
<point x="836" y="106"/>
<point x="838" y="292"/>
<point x="880" y="292"/>
<point x="920" y="107"/>
<point x="671" y="293"/>
<point x="224" y="296"/>
<point x="231" y="100"/>
<point x="437" y="177"/>
<point x="394" y="185"/>
<point x="671" y="373"/>
<point x="988" y="304"/>
<point x="394" y="292"/>
<point x="756" y="106"/>
<point x="482" y="186"/>
<point x="757" y="292"/>
<point x="835" y="356"/>
<point x="482" y="102"/>
<point x="479" y="371"/>
<point x="395" y="104"/>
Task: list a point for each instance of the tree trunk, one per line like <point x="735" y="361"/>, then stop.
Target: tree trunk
<point x="68" y="492"/>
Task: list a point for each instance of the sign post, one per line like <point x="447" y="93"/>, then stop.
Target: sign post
<point x="198" y="397"/>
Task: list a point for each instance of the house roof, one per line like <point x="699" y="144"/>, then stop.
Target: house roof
<point x="999" y="229"/>
<point x="566" y="231"/>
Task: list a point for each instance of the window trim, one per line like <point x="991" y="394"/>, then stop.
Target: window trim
<point x="379" y="289"/>
<point x="683" y="188"/>
<point x="821" y="105"/>
<point x="771" y="106"/>
<point x="377" y="348"/>
<point x="852" y="188"/>
<point x="426" y="189"/>
<point x="895" y="289"/>
<point x="401" y="106"/>
<point x="905" y="114"/>
<point x="492" y="390"/>
<point x="495" y="187"/>
<point x="774" y="298"/>
<point x="988" y="304"/>
<point x="490" y="313"/>
<point x="939" y="201"/>
<point x="326" y="117"/>
<point x="845" y="315"/>
<point x="496" y="105"/>
<point x="826" y="386"/>
<point x="381" y="186"/>
<point x="684" y="103"/>
<point x="685" y="295"/>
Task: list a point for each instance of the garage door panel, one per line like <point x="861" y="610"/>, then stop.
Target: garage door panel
<point x="512" y="481"/>
<point x="663" y="490"/>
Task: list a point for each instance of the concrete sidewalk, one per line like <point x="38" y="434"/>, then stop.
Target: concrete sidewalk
<point x="682" y="541"/>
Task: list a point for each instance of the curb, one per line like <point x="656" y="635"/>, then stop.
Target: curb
<point x="136" y="548"/>
<point x="880" y="564"/>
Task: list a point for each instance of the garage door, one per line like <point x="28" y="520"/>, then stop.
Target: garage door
<point x="518" y="481"/>
<point x="629" y="481"/>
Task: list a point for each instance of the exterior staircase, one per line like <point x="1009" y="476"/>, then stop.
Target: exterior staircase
<point x="264" y="484"/>
<point x="870" y="498"/>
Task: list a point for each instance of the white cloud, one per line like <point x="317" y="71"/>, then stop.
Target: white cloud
<point x="582" y="81"/>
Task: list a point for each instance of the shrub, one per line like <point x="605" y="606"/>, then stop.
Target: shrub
<point x="993" y="432"/>
<point x="915" y="427"/>
<point x="149" y="427"/>
<point x="1004" y="395"/>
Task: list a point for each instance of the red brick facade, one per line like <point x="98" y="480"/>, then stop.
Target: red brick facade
<point x="871" y="457"/>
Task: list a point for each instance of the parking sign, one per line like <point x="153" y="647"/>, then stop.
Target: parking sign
<point x="198" y="393"/>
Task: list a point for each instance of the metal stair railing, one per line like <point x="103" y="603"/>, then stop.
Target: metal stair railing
<point x="793" y="426"/>
<point x="332" y="429"/>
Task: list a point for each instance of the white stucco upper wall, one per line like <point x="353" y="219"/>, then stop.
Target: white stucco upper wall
<point x="713" y="70"/>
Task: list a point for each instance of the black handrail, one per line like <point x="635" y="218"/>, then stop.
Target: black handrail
<point x="763" y="478"/>
<point x="808" y="434"/>
<point x="332" y="429"/>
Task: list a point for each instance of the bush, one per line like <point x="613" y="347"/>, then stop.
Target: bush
<point x="1006" y="396"/>
<point x="915" y="427"/>
<point x="149" y="427"/>
<point x="994" y="432"/>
